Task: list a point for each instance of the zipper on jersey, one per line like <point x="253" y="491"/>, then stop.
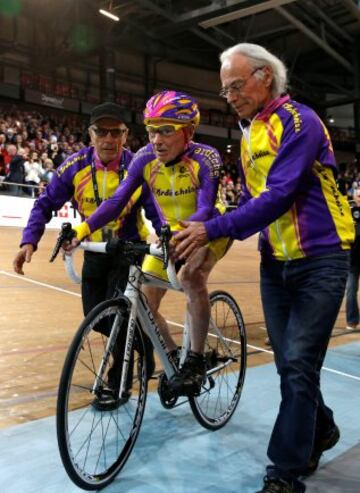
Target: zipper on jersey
<point x="176" y="204"/>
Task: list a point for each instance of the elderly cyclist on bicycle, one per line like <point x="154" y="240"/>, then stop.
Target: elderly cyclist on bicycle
<point x="182" y="177"/>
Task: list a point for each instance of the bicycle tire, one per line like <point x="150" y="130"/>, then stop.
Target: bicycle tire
<point x="95" y="445"/>
<point x="221" y="391"/>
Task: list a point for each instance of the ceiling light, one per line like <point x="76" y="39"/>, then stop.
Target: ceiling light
<point x="109" y="14"/>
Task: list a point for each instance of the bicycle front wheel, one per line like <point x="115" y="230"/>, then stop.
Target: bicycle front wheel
<point x="95" y="442"/>
<point x="225" y="352"/>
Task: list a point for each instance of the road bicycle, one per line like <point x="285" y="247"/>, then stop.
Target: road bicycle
<point x="95" y="444"/>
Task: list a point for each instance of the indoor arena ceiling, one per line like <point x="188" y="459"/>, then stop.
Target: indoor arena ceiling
<point x="318" y="39"/>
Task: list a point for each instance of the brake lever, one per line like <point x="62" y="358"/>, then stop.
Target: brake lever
<point x="66" y="233"/>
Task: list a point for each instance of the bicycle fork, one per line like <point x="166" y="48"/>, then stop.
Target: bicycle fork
<point x="115" y="329"/>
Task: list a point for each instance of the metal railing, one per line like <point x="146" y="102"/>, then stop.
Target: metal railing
<point x="20" y="189"/>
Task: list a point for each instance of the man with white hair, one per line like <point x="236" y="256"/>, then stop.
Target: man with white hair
<point x="290" y="196"/>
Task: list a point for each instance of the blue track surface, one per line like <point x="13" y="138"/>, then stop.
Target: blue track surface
<point x="175" y="454"/>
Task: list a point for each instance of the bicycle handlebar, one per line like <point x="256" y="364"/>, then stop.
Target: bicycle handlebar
<point x="66" y="234"/>
<point x="129" y="249"/>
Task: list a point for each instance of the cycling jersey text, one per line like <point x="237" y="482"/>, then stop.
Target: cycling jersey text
<point x="212" y="161"/>
<point x="169" y="192"/>
<point x="61" y="170"/>
<point x="296" y="116"/>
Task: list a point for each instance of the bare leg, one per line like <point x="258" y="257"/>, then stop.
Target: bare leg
<point x="154" y="296"/>
<point x="194" y="280"/>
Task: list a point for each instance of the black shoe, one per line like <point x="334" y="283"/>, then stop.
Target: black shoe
<point x="272" y="485"/>
<point x="326" y="443"/>
<point x="108" y="400"/>
<point x="189" y="379"/>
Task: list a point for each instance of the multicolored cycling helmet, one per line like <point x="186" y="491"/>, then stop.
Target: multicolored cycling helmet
<point x="173" y="106"/>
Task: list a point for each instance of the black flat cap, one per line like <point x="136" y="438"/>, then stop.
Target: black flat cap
<point x="107" y="110"/>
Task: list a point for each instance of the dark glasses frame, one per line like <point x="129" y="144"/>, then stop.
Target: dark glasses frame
<point x="114" y="132"/>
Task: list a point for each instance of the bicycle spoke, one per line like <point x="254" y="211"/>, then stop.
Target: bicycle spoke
<point x="225" y="345"/>
<point x="95" y="443"/>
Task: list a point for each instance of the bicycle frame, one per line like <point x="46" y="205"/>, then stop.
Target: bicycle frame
<point x="140" y="310"/>
<point x="97" y="429"/>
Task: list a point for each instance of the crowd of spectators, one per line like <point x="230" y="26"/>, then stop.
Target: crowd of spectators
<point x="33" y="145"/>
<point x="348" y="179"/>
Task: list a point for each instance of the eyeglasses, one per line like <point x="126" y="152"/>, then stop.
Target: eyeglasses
<point x="164" y="130"/>
<point x="114" y="132"/>
<point x="237" y="86"/>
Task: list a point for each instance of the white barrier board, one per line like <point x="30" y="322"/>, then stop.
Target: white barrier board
<point x="15" y="211"/>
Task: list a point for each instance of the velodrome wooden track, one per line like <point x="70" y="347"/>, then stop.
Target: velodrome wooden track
<point x="40" y="312"/>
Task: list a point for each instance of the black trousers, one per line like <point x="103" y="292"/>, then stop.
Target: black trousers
<point x="102" y="274"/>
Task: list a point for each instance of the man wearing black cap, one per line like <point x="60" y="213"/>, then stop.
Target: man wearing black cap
<point x="87" y="178"/>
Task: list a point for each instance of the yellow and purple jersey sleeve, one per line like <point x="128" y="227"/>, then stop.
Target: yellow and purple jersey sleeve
<point x="288" y="170"/>
<point x="73" y="181"/>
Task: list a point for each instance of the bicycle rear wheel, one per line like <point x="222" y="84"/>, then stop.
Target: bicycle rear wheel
<point x="225" y="352"/>
<point x="95" y="444"/>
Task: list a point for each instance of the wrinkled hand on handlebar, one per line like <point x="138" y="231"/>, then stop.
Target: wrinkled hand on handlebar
<point x="80" y="232"/>
<point x="69" y="238"/>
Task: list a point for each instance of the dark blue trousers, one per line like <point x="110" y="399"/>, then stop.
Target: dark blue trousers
<point x="301" y="300"/>
<point x="352" y="288"/>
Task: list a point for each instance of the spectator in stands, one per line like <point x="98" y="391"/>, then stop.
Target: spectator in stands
<point x="352" y="287"/>
<point x="33" y="173"/>
<point x="48" y="170"/>
<point x="10" y="136"/>
<point x="16" y="175"/>
<point x="54" y="154"/>
<point x="306" y="230"/>
<point x="237" y="192"/>
<point x="4" y="156"/>
<point x="230" y="197"/>
<point x="39" y="140"/>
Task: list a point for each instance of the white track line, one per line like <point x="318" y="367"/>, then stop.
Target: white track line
<point x="348" y="375"/>
<point x="174" y="323"/>
<point x="27" y="279"/>
<point x="257" y="348"/>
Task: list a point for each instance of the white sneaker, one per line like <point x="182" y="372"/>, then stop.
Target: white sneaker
<point x="351" y="327"/>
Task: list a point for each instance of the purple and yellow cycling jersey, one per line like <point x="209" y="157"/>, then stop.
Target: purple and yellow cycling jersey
<point x="289" y="190"/>
<point x="73" y="181"/>
<point x="185" y="190"/>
